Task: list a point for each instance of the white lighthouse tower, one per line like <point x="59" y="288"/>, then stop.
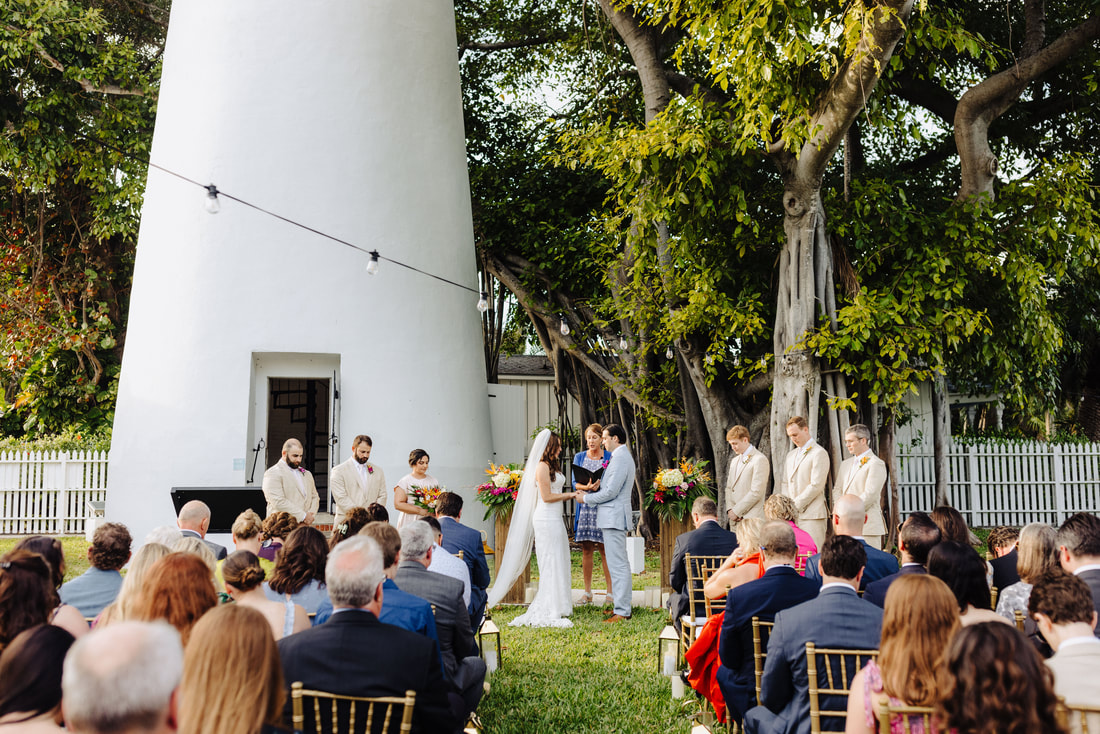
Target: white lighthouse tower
<point x="344" y="116"/>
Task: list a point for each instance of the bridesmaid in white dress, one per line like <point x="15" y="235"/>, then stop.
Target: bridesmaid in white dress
<point x="538" y="516"/>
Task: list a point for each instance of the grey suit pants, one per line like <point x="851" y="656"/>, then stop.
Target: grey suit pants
<point x="614" y="549"/>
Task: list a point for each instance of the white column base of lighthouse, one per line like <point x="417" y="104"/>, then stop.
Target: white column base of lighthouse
<point x="344" y="116"/>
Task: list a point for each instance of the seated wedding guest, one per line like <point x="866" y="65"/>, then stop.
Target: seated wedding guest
<point x="779" y="588"/>
<point x="916" y="539"/>
<point x="232" y="677"/>
<point x="458" y="537"/>
<point x="707" y="539"/>
<point x="743" y="565"/>
<point x="1079" y="551"/>
<point x="446" y="564"/>
<point x="299" y="573"/>
<point x="354" y="654"/>
<point x="179" y="590"/>
<point x="26" y="593"/>
<point x="837" y="618"/>
<point x="963" y="570"/>
<point x="243" y="578"/>
<point x="781" y="507"/>
<point x="1002" y="551"/>
<point x="64" y="615"/>
<point x="1062" y="606"/>
<point x="123" y="678"/>
<point x="97" y="587"/>
<point x="123" y="606"/>
<point x="1037" y="557"/>
<point x="30" y="680"/>
<point x="194" y="522"/>
<point x="200" y="550"/>
<point x="994" y="682"/>
<point x="247" y="530"/>
<point x="166" y="535"/>
<point x="849" y="517"/>
<point x="461" y="663"/>
<point x="277" y="526"/>
<point x="952" y="525"/>
<point x="920" y="619"/>
<point x="377" y="513"/>
<point x="350" y="525"/>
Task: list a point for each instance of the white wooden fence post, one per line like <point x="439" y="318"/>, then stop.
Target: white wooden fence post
<point x="1059" y="485"/>
<point x="62" y="508"/>
<point x="972" y="485"/>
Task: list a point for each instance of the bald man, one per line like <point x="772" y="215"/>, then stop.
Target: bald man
<point x="194" y="522"/>
<point x="289" y="487"/>
<point x="848" y="519"/>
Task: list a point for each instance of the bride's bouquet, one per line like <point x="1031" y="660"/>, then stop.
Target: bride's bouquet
<point x="424" y="496"/>
<point x="674" y="490"/>
<point x="499" y="493"/>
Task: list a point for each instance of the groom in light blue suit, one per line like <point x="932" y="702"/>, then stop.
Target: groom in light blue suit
<point x="614" y="516"/>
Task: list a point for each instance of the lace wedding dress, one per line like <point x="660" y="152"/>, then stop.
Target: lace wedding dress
<point x="538" y="523"/>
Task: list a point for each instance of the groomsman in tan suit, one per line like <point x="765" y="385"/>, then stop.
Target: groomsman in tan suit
<point x="289" y="487"/>
<point x="748" y="478"/>
<point x="356" y="482"/>
<point x="863" y="475"/>
<point x="807" y="470"/>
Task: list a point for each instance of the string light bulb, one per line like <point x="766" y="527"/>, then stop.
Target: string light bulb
<point x="483" y="302"/>
<point x="623" y="345"/>
<point x="372" y="266"/>
<point x="709" y="359"/>
<point x="564" y="327"/>
<point x="763" y="363"/>
<point x="212" y="204"/>
<point x="668" y="353"/>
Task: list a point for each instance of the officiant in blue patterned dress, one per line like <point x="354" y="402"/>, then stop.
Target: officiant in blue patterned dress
<point x="585" y="530"/>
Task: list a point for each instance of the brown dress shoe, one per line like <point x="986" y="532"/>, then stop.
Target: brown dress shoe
<point x="617" y="618"/>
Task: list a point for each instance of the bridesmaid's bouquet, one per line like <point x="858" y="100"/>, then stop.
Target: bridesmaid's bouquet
<point x="499" y="493"/>
<point x="674" y="490"/>
<point x="424" y="496"/>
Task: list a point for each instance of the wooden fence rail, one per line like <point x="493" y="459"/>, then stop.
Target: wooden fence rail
<point x="46" y="492"/>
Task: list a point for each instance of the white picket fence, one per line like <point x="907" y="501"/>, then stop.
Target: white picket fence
<point x="1007" y="484"/>
<point x="46" y="492"/>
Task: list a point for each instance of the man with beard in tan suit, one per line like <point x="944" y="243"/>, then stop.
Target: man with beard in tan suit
<point x="748" y="478"/>
<point x="289" y="487"/>
<point x="864" y="475"/>
<point x="807" y="470"/>
<point x="356" y="482"/>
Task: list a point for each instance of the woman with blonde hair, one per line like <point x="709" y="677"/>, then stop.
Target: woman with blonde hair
<point x="243" y="578"/>
<point x="781" y="507"/>
<point x="743" y="565"/>
<point x="1036" y="556"/>
<point x="232" y="677"/>
<point x="247" y="530"/>
<point x="920" y="618"/>
<point x="123" y="606"/>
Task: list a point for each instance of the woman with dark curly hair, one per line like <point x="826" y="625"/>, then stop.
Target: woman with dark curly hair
<point x="377" y="513"/>
<point x="64" y="615"/>
<point x="26" y="597"/>
<point x="350" y="525"/>
<point x="994" y="682"/>
<point x="963" y="570"/>
<point x="30" y="668"/>
<point x="243" y="577"/>
<point x="276" y="527"/>
<point x="299" y="573"/>
<point x="178" y="589"/>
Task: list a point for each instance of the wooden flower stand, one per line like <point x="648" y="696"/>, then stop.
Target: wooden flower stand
<point x="670" y="530"/>
<point x="517" y="594"/>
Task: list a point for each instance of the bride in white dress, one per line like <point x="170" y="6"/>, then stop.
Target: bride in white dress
<point x="537" y="519"/>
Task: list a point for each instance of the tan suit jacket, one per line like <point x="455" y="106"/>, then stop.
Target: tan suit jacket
<point x="282" y="493"/>
<point x="866" y="482"/>
<point x="747" y="482"/>
<point x="807" y="472"/>
<point x="1076" y="680"/>
<point x="348" y="489"/>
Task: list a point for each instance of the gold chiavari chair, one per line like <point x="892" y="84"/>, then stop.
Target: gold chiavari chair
<point x="1019" y="617"/>
<point x="888" y="712"/>
<point x="761" y="633"/>
<point x="1080" y="718"/>
<point x="342" y="711"/>
<point x="840" y="667"/>
<point x="993" y="592"/>
<point x="699" y="569"/>
<point x="800" y="562"/>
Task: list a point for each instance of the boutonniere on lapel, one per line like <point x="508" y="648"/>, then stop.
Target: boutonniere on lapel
<point x="605" y="463"/>
<point x="863" y="461"/>
<point x="745" y="458"/>
<point x="301" y="470"/>
<point x="370" y="469"/>
<point x="805" y="450"/>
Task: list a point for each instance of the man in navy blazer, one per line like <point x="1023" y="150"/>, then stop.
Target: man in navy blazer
<point x="781" y="587"/>
<point x="458" y="537"/>
<point x="1079" y="551"/>
<point x="837" y="618"/>
<point x="707" y="539"/>
<point x="918" y="536"/>
<point x="848" y="518"/>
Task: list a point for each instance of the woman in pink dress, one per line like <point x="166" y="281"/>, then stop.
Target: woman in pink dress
<point x="778" y="507"/>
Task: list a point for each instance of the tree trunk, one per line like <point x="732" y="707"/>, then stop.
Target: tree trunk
<point x="887" y="451"/>
<point x="941" y="431"/>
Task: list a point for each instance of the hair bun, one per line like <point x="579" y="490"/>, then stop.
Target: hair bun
<point x="252" y="576"/>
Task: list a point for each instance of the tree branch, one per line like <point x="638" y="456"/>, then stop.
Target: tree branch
<point x="87" y="86"/>
<point x="507" y="45"/>
<point x="685" y="86"/>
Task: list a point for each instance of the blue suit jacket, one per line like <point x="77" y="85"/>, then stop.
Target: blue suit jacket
<point x="781" y="587"/>
<point x="709" y="539"/>
<point x="880" y="564"/>
<point x="876" y="591"/>
<point x="613" y="496"/>
<point x="836" y="618"/>
<point x="457" y="537"/>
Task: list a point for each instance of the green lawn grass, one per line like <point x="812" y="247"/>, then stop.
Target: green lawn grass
<point x="74" y="546"/>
